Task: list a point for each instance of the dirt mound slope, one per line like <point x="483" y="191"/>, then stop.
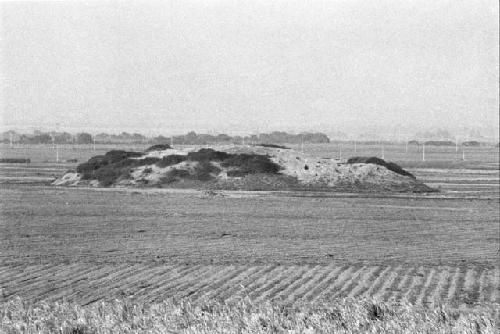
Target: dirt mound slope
<point x="240" y="167"/>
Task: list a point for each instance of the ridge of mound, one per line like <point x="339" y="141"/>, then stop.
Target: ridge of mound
<point x="241" y="168"/>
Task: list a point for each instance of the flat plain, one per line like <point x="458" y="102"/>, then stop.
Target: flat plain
<point x="85" y="245"/>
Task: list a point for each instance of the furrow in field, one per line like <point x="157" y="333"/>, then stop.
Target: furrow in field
<point x="91" y="282"/>
<point x="343" y="279"/>
<point x="80" y="284"/>
<point x="114" y="277"/>
<point x="435" y="289"/>
<point x="19" y="273"/>
<point x="177" y="277"/>
<point x="417" y="282"/>
<point x="329" y="273"/>
<point x="61" y="281"/>
<point x="298" y="277"/>
<point x="283" y="291"/>
<point x="262" y="279"/>
<point x="476" y="289"/>
<point x="395" y="287"/>
<point x="232" y="283"/>
<point x="450" y="292"/>
<point x="459" y="284"/>
<point x="468" y="292"/>
<point x="366" y="281"/>
<point x="211" y="282"/>
<point x="102" y="287"/>
<point x="423" y="292"/>
<point x="270" y="282"/>
<point x="310" y="282"/>
<point x="180" y="283"/>
<point x="445" y="289"/>
<point x="168" y="273"/>
<point x="421" y="278"/>
<point x="378" y="293"/>
<point x="204" y="274"/>
<point x="42" y="278"/>
<point x="8" y="271"/>
<point x="239" y="290"/>
<point x="378" y="283"/>
<point x="351" y="282"/>
<point x="125" y="288"/>
<point x="404" y="284"/>
<point x="494" y="295"/>
<point x="8" y="274"/>
<point x="320" y="292"/>
<point x="41" y="281"/>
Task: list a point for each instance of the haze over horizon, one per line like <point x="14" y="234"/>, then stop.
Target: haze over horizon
<point x="160" y="67"/>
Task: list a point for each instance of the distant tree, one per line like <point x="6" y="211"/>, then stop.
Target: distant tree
<point x="84" y="138"/>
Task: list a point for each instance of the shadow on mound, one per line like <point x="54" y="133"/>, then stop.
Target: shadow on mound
<point x="377" y="161"/>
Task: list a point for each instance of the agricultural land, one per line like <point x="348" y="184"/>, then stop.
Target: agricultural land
<point x="218" y="252"/>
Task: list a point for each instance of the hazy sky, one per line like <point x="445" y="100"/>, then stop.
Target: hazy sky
<point x="226" y="65"/>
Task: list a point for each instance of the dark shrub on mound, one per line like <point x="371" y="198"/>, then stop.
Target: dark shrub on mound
<point x="175" y="175"/>
<point x="273" y="146"/>
<point x="377" y="161"/>
<point x="112" y="166"/>
<point x="89" y="168"/>
<point x="251" y="164"/>
<point x="117" y="155"/>
<point x="205" y="171"/>
<point x="207" y="154"/>
<point x="170" y="160"/>
<point x="109" y="174"/>
<point x="158" y="147"/>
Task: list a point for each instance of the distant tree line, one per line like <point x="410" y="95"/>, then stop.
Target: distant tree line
<point x="191" y="138"/>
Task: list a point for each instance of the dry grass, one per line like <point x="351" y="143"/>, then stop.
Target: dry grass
<point x="243" y="316"/>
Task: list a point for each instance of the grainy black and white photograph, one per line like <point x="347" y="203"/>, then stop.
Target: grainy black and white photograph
<point x="224" y="166"/>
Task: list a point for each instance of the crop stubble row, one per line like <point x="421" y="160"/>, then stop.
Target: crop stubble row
<point x="84" y="283"/>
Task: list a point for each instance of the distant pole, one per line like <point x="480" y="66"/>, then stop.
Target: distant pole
<point x="340" y="151"/>
<point x="456" y="144"/>
<point x="94" y="143"/>
<point x="423" y="152"/>
<point x="463" y="153"/>
<point x="57" y="153"/>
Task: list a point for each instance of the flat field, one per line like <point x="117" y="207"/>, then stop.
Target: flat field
<point x="85" y="245"/>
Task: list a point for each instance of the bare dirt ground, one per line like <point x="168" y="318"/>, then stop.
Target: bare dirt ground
<point x="84" y="245"/>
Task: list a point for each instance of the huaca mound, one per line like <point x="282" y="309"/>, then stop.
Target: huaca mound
<point x="260" y="167"/>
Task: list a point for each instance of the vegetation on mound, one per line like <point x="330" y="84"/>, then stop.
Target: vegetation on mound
<point x="273" y="146"/>
<point x="377" y="161"/>
<point x="158" y="147"/>
<point x="112" y="166"/>
<point x="241" y="316"/>
<point x="117" y="165"/>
